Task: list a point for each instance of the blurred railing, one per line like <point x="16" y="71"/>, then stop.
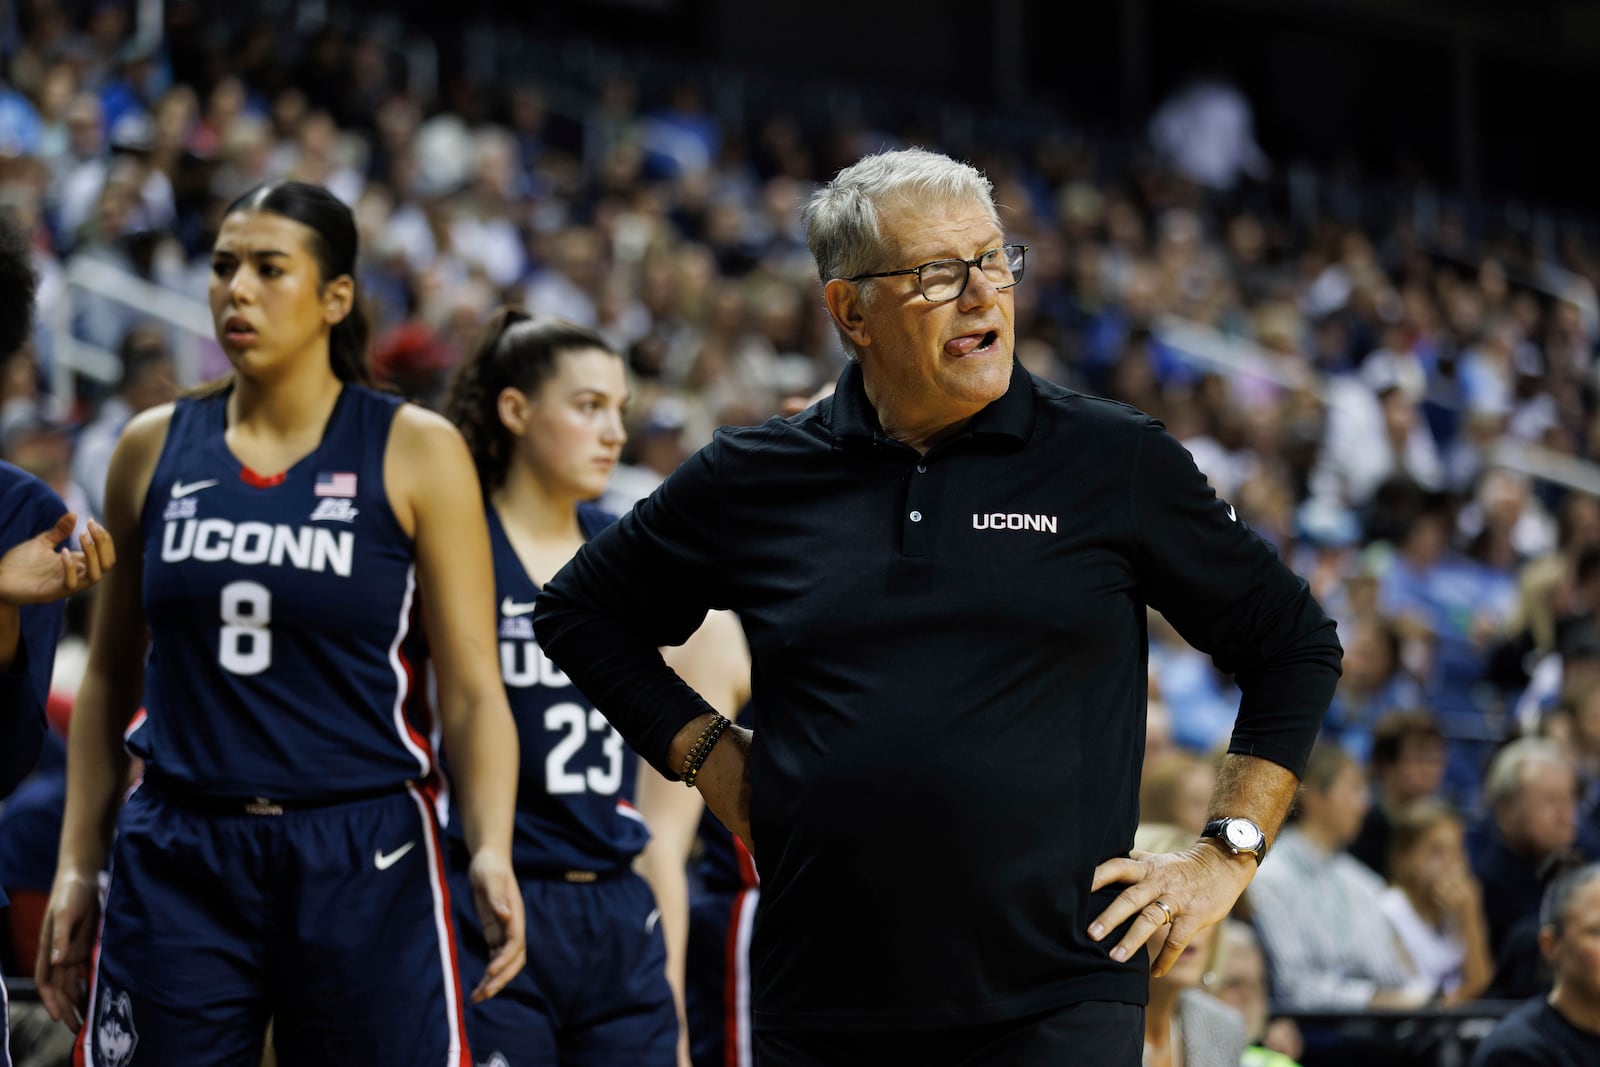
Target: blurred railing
<point x="187" y="321"/>
<point x="1435" y="1036"/>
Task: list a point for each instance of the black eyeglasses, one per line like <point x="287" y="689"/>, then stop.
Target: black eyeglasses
<point x="946" y="279"/>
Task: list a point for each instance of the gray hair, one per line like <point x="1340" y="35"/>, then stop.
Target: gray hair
<point x="1558" y="898"/>
<point x="841" y="218"/>
<point x="1504" y="780"/>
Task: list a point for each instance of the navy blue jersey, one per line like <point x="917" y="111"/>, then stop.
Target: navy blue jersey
<point x="574" y="798"/>
<point x="724" y="864"/>
<point x="28" y="507"/>
<point x="277" y="610"/>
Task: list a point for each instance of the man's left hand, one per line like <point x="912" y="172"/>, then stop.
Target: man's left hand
<point x="1199" y="886"/>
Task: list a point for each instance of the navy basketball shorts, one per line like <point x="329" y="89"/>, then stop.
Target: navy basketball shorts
<point x="1102" y="1033"/>
<point x="594" y="991"/>
<point x="717" y="977"/>
<point x="333" y="922"/>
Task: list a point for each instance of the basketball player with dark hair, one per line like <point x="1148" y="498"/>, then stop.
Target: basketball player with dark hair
<point x="282" y="858"/>
<point x="540" y="403"/>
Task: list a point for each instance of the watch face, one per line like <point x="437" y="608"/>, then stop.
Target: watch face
<point x="1243" y="836"/>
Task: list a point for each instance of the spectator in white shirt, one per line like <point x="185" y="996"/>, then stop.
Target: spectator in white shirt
<point x="1435" y="905"/>
<point x="1317" y="907"/>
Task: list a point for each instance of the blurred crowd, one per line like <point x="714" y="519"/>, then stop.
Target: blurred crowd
<point x="1387" y="345"/>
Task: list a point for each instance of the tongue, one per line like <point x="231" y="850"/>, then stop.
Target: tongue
<point x="961" y="346"/>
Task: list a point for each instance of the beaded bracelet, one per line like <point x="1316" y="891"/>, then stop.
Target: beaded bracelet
<point x="696" y="756"/>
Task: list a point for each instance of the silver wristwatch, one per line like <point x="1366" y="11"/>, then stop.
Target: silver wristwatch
<point x="1239" y="836"/>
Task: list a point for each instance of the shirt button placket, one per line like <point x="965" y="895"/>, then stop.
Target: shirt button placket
<point x="919" y="511"/>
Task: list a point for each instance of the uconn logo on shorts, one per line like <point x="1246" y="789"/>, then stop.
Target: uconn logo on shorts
<point x="114" y="1035"/>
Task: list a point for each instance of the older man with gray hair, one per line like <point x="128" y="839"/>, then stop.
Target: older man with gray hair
<point x="943" y="571"/>
<point x="1531" y="792"/>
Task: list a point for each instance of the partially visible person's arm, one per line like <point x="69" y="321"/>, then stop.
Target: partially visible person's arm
<point x="37" y="571"/>
<point x="715" y="664"/>
<point x="97" y="763"/>
<point x="428" y="463"/>
<point x="35" y="577"/>
<point x="1227" y="592"/>
<point x="673" y="813"/>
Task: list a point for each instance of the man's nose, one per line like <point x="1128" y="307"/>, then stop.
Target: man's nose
<point x="980" y="291"/>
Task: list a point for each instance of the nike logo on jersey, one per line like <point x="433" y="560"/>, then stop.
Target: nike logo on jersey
<point x="651" y="920"/>
<point x="384" y="860"/>
<point x="179" y="490"/>
<point x="1232" y="514"/>
<point x="511" y="608"/>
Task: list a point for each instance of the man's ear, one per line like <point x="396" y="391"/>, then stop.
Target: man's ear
<point x="338" y="297"/>
<point x="512" y="406"/>
<point x="1547" y="942"/>
<point x="848" y="309"/>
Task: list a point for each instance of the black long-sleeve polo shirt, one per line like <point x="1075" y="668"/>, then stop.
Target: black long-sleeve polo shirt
<point x="949" y="662"/>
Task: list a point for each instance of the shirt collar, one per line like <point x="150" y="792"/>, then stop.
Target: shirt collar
<point x="1007" y="420"/>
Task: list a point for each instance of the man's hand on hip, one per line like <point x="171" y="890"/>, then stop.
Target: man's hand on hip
<point x="1190" y="889"/>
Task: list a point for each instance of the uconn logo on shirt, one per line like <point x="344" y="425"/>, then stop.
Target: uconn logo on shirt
<point x="523" y="663"/>
<point x="306" y="548"/>
<point x="997" y="520"/>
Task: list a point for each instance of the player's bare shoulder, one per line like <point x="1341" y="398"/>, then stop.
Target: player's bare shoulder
<point x="133" y="463"/>
<point x="426" y="455"/>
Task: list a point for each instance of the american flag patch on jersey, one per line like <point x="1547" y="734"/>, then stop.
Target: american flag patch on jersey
<point x="340" y="483"/>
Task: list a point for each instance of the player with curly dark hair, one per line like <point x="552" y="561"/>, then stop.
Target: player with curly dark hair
<point x="36" y="575"/>
<point x="17" y="284"/>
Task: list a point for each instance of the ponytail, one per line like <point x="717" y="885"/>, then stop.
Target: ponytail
<point x="513" y="351"/>
<point x="473" y="401"/>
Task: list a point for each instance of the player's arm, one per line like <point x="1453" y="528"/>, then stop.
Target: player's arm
<point x="35" y="575"/>
<point x="673" y="813"/>
<point x="430" y="475"/>
<point x="715" y="663"/>
<point x="97" y="764"/>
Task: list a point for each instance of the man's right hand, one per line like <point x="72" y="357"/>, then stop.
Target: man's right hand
<point x="35" y="571"/>
<point x="66" y="943"/>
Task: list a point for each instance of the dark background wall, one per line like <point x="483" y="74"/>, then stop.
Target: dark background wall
<point x="1491" y="96"/>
